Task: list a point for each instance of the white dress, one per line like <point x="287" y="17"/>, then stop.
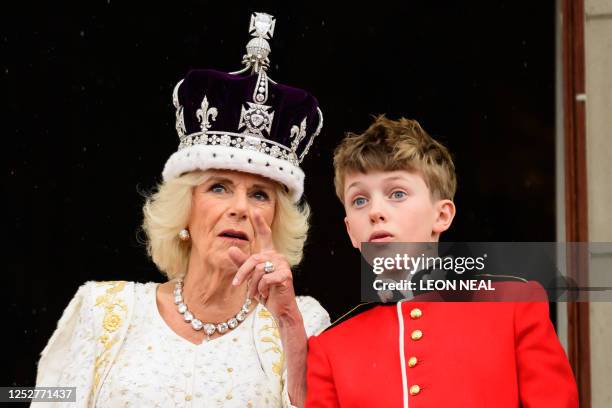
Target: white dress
<point x="153" y="366"/>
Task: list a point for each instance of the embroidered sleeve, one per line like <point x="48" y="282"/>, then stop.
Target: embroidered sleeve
<point x="316" y="319"/>
<point x="68" y="358"/>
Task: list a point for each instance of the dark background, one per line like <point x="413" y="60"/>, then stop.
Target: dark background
<point x="88" y="122"/>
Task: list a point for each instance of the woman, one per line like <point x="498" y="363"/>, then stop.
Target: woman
<point x="225" y="228"/>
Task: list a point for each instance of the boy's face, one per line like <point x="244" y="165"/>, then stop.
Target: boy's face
<point x="393" y="206"/>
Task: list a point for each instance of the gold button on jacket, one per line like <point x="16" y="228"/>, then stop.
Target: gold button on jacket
<point x="412" y="361"/>
<point x="416" y="313"/>
<point x="414" y="389"/>
<point x="416" y="335"/>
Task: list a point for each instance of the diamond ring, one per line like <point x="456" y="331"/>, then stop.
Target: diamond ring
<point x="268" y="267"/>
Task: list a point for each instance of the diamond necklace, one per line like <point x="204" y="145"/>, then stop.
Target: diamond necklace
<point x="209" y="328"/>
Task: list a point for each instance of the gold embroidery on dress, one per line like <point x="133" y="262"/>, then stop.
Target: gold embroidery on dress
<point x="115" y="311"/>
<point x="272" y="336"/>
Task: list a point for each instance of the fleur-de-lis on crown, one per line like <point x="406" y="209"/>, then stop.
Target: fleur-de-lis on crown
<point x="204" y="112"/>
<point x="298" y="134"/>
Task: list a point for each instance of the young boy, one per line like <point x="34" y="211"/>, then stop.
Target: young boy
<point x="397" y="185"/>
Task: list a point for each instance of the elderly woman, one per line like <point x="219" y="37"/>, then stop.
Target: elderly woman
<point x="225" y="227"/>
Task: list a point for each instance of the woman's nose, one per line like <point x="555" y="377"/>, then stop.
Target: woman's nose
<point x="239" y="205"/>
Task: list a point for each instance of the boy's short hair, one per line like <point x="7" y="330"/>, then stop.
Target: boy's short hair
<point x="390" y="145"/>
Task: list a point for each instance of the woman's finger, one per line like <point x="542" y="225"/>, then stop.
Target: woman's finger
<point x="259" y="272"/>
<point x="279" y="278"/>
<point x="263" y="233"/>
<point x="237" y="256"/>
<point x="256" y="276"/>
<point x="247" y="267"/>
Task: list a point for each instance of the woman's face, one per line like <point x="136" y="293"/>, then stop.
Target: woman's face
<point x="222" y="213"/>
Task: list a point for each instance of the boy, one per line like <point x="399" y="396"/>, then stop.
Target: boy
<point x="397" y="185"/>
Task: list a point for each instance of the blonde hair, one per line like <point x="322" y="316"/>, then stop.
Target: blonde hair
<point x="167" y="211"/>
<point x="390" y="145"/>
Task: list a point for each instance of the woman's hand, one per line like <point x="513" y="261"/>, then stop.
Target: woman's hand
<point x="273" y="289"/>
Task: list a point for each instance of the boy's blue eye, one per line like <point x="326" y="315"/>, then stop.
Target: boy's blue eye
<point x="398" y="195"/>
<point x="359" y="201"/>
<point x="217" y="188"/>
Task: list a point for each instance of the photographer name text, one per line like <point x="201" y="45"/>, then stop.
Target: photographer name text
<point x="434" y="284"/>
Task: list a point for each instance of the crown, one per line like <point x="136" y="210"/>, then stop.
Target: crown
<point x="245" y="122"/>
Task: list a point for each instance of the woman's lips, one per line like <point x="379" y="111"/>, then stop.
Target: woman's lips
<point x="234" y="234"/>
<point x="233" y="240"/>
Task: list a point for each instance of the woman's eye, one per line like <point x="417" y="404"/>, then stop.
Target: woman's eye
<point x="398" y="195"/>
<point x="359" y="201"/>
<point x="217" y="188"/>
<point x="261" y="195"/>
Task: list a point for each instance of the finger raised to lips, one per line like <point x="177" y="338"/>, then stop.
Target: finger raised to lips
<point x="237" y="256"/>
<point x="263" y="233"/>
<point x="246" y="269"/>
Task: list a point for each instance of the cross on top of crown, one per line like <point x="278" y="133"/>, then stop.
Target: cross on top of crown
<point x="262" y="25"/>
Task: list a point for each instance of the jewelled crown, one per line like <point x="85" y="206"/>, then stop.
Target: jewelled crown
<point x="246" y="123"/>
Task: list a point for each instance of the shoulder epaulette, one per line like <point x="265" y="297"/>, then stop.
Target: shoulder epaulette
<point x="360" y="308"/>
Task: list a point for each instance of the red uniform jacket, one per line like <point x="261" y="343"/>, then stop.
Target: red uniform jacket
<point x="468" y="354"/>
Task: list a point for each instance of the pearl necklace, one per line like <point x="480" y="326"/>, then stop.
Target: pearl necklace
<point x="209" y="328"/>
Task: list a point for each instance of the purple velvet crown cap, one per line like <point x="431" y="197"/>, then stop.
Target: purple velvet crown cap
<point x="229" y="93"/>
<point x="244" y="123"/>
